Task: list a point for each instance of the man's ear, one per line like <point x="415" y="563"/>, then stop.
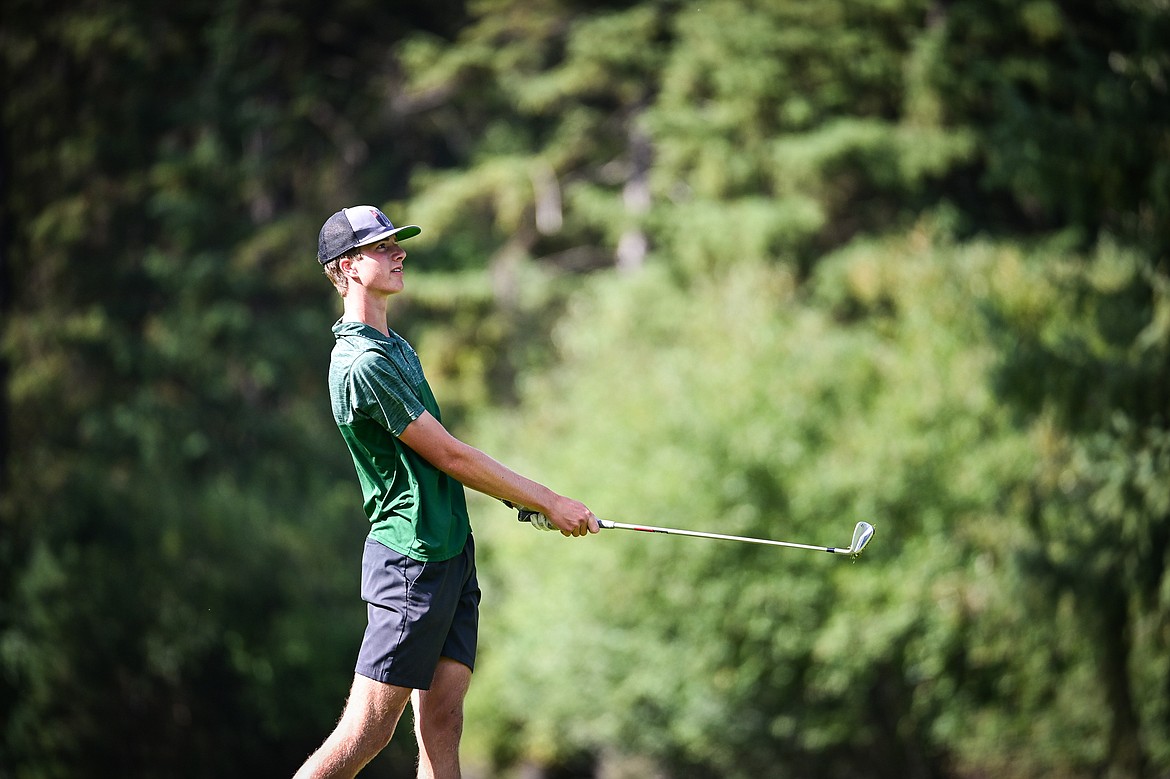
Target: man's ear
<point x="346" y="265"/>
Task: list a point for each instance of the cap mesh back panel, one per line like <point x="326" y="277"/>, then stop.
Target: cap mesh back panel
<point x="336" y="238"/>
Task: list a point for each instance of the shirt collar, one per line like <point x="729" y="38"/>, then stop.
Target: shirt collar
<point x="343" y="328"/>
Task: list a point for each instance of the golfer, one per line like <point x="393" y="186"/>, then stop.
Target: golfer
<point x="418" y="566"/>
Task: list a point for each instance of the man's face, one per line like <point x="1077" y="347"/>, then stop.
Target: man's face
<point x="379" y="267"/>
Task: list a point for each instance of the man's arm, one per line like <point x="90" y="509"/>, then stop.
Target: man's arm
<point x="468" y="465"/>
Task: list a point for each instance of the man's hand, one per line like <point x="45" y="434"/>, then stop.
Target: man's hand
<point x="572" y="518"/>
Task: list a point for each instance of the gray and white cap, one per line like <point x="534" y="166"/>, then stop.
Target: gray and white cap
<point x="357" y="226"/>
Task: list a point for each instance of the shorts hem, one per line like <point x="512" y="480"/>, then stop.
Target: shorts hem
<point x="392" y="679"/>
<point x="470" y="663"/>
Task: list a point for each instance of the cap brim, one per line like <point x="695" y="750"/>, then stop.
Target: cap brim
<point x="399" y="233"/>
<point x="406" y="231"/>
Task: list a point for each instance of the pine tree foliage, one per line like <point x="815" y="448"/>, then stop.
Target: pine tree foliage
<point x="760" y="267"/>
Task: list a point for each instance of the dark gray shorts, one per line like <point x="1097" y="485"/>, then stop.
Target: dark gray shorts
<point x="417" y="612"/>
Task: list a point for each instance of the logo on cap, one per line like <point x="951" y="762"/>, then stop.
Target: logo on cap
<point x="381" y="218"/>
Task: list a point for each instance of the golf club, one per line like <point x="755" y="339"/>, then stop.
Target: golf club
<point x="862" y="534"/>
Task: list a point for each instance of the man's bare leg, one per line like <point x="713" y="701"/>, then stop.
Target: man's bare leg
<point x="365" y="728"/>
<point x="438" y="720"/>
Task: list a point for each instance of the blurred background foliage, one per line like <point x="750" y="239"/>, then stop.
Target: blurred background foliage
<point x="756" y="267"/>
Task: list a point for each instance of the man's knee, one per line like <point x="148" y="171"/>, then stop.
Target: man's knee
<point x="439" y="717"/>
<point x="440" y="709"/>
<point x="440" y="726"/>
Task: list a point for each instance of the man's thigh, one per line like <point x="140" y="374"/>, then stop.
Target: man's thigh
<point x="445" y="697"/>
<point x="373" y="708"/>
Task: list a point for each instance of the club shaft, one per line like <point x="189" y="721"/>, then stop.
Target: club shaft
<point x="610" y="525"/>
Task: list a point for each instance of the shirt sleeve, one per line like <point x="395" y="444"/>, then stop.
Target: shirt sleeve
<point x="380" y="392"/>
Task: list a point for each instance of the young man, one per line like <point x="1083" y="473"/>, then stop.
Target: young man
<point x="418" y="567"/>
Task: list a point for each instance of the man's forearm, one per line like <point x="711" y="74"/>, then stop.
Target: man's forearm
<point x="480" y="472"/>
<point x="473" y="468"/>
<point x="476" y="470"/>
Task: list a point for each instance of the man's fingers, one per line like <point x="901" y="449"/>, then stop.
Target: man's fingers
<point x="577" y="531"/>
<point x="579" y="525"/>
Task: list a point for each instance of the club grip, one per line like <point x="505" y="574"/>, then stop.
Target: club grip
<point x="526" y="515"/>
<point x="522" y="514"/>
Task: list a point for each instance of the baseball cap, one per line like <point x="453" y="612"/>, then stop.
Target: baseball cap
<point x="357" y="226"/>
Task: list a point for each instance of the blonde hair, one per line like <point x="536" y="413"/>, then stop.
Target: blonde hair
<point x="334" y="273"/>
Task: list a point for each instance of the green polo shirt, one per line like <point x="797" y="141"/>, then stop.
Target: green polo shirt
<point x="377" y="388"/>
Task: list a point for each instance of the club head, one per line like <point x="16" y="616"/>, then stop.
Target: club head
<point x="861" y="536"/>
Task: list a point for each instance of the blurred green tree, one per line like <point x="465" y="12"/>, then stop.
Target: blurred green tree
<point x="175" y="547"/>
<point x="751" y="265"/>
